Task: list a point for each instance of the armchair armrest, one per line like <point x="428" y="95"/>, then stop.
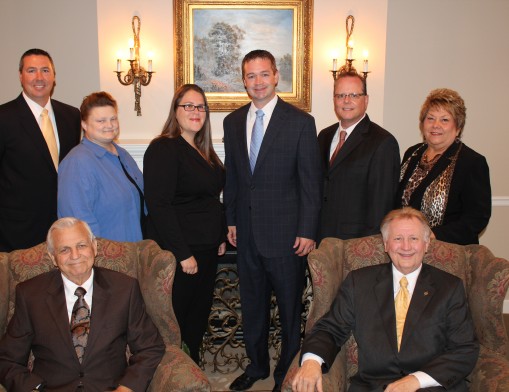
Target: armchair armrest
<point x="178" y="372"/>
<point x="486" y="294"/>
<point x="491" y="373"/>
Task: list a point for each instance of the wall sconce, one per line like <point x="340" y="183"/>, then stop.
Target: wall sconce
<point x="136" y="75"/>
<point x="348" y="67"/>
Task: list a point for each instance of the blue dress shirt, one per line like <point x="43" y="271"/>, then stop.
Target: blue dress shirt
<point x="93" y="187"/>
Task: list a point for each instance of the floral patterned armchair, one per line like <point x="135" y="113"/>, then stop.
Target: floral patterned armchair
<point x="154" y="269"/>
<point x="486" y="280"/>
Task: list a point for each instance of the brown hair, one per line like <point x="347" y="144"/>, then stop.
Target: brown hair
<point x="405" y="213"/>
<point x="351" y="74"/>
<point x="203" y="138"/>
<point x="259" y="54"/>
<point x="96" y="100"/>
<point x="448" y="100"/>
<point x="35" y="52"/>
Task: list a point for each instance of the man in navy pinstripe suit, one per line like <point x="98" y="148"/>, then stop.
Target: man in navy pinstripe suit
<point x="272" y="213"/>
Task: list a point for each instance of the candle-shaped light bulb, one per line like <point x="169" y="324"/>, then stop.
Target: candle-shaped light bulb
<point x="150" y="55"/>
<point x="334" y="64"/>
<point x="119" y="65"/>
<point x="365" y="54"/>
<point x="349" y="52"/>
<point x="131" y="49"/>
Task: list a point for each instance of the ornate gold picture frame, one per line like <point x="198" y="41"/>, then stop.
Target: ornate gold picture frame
<point x="212" y="36"/>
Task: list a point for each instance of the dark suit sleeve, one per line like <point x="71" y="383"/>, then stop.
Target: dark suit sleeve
<point x="145" y="344"/>
<point x="383" y="178"/>
<point x="461" y="349"/>
<point x="309" y="171"/>
<point x="475" y="199"/>
<point x="15" y="349"/>
<point x="230" y="188"/>
<point x="333" y="329"/>
<point x="160" y="174"/>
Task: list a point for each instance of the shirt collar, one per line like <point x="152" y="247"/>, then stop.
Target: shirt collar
<point x="351" y="127"/>
<point x="411" y="277"/>
<point x="36" y="108"/>
<point x="267" y="109"/>
<point x="70" y="287"/>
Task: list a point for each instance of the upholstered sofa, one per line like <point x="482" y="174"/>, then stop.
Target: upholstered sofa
<point x="486" y="280"/>
<point x="153" y="267"/>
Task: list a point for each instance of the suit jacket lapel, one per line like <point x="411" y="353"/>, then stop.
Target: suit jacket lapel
<point x="384" y="294"/>
<point x="423" y="293"/>
<point x="276" y="122"/>
<point x="58" y="309"/>
<point x="351" y="143"/>
<point x="100" y="304"/>
<point x="33" y="131"/>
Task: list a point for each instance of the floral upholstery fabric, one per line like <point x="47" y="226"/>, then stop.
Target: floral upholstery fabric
<point x="486" y="280"/>
<point x="154" y="269"/>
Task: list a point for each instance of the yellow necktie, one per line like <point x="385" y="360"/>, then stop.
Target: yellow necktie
<point x="49" y="136"/>
<point x="401" y="303"/>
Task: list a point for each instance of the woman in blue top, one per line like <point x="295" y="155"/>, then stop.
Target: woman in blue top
<point x="98" y="181"/>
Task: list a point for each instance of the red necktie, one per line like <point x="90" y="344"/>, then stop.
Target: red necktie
<point x="342" y="138"/>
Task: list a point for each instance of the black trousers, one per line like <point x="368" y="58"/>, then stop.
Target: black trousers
<point x="192" y="299"/>
<point x="258" y="277"/>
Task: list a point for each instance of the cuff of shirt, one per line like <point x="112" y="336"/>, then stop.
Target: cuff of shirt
<point x="315" y="357"/>
<point x="425" y="380"/>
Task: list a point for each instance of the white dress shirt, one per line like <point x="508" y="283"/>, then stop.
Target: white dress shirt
<point x="70" y="288"/>
<point x="251" y="117"/>
<point x="37" y="110"/>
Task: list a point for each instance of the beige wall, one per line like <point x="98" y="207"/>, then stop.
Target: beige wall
<point x="414" y="46"/>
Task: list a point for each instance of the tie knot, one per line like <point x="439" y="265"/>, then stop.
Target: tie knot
<point x="260" y="113"/>
<point x="403" y="282"/>
<point x="44" y="112"/>
<point x="80" y="292"/>
<point x="342" y="135"/>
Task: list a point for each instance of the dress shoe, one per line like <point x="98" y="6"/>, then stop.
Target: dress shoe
<point x="277" y="388"/>
<point x="243" y="382"/>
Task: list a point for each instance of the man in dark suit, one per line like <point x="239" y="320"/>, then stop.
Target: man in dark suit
<point x="28" y="172"/>
<point x="361" y="174"/>
<point x="272" y="199"/>
<point x="430" y="345"/>
<point x="45" y="305"/>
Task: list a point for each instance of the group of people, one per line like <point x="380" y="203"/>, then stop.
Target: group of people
<point x="284" y="190"/>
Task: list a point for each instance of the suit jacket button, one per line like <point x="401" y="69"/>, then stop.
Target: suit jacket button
<point x="82" y="374"/>
<point x="325" y="198"/>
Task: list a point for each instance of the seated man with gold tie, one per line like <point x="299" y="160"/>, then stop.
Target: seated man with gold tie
<point x="411" y="321"/>
<point x="78" y="320"/>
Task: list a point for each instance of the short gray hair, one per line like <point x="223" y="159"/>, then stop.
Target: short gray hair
<point x="405" y="213"/>
<point x="64" y="223"/>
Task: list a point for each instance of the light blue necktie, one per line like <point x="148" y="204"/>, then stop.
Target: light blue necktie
<point x="256" y="139"/>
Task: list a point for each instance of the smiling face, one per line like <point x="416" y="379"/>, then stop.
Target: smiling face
<point x="37" y="78"/>
<point x="101" y="126"/>
<point x="439" y="129"/>
<point x="349" y="110"/>
<point x="406" y="244"/>
<point x="190" y="123"/>
<point x="260" y="81"/>
<point x="74" y="252"/>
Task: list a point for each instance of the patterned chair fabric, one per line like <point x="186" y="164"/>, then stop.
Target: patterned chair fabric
<point x="154" y="269"/>
<point x="486" y="280"/>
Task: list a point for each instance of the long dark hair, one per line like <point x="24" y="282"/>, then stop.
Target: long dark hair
<point x="203" y="138"/>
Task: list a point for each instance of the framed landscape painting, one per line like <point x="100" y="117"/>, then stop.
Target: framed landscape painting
<point x="212" y="36"/>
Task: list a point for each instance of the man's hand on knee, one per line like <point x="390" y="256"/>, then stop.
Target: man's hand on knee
<point x="308" y="377"/>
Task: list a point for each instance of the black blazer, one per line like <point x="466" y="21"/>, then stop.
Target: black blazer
<point x="468" y="208"/>
<point x="360" y="186"/>
<point x="28" y="179"/>
<point x="182" y="194"/>
<point x="281" y="199"/>
<point x="41" y="324"/>
<point x="438" y="337"/>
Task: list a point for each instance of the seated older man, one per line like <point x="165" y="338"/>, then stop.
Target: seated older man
<point x="411" y="321"/>
<point x="78" y="320"/>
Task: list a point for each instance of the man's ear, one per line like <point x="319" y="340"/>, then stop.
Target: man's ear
<point x="94" y="246"/>
<point x="52" y="259"/>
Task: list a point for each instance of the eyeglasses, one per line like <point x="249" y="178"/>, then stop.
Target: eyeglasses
<point x="352" y="96"/>
<point x="189" y="107"/>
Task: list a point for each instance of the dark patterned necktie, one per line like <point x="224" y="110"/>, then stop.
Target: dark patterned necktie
<point x="80" y="323"/>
